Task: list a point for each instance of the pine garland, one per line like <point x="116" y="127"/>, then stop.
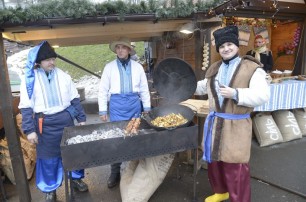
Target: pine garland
<point x="78" y="9"/>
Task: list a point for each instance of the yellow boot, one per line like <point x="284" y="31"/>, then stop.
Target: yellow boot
<point x="217" y="197"/>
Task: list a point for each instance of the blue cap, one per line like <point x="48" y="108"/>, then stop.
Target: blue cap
<point x="29" y="69"/>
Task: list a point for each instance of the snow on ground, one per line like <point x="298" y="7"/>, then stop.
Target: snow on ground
<point x="17" y="64"/>
<point x="91" y="84"/>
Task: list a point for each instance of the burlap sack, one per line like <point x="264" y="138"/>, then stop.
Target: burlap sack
<point x="29" y="157"/>
<point x="300" y="115"/>
<point x="140" y="179"/>
<point x="287" y="124"/>
<point x="5" y="161"/>
<point x="266" y="130"/>
<point x="19" y="125"/>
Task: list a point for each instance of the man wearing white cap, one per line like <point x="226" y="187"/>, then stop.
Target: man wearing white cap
<point x="124" y="87"/>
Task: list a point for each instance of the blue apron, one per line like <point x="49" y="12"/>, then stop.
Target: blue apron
<point x="49" y="167"/>
<point x="124" y="107"/>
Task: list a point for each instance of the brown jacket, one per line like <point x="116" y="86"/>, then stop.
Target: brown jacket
<point x="231" y="138"/>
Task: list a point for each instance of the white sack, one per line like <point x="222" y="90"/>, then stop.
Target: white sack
<point x="300" y="115"/>
<point x="266" y="130"/>
<point x="287" y="124"/>
<point x="140" y="179"/>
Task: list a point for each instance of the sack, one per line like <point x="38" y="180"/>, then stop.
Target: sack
<point x="266" y="130"/>
<point x="287" y="125"/>
<point x="29" y="157"/>
<point x="19" y="126"/>
<point x="140" y="179"/>
<point x="300" y="115"/>
<point x="5" y="161"/>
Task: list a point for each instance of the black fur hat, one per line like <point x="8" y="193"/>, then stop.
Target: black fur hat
<point x="226" y="34"/>
<point x="45" y="52"/>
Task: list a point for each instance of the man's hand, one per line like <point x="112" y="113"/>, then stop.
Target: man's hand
<point x="32" y="138"/>
<point x="103" y="118"/>
<point x="82" y="123"/>
<point x="145" y="112"/>
<point x="227" y="92"/>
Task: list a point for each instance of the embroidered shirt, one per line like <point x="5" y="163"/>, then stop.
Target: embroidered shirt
<point x="49" y="96"/>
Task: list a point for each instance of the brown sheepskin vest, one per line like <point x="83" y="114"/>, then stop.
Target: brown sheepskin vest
<point x="231" y="138"/>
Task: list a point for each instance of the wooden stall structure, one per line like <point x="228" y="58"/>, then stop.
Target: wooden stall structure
<point x="70" y="32"/>
<point x="281" y="19"/>
<point x="144" y="27"/>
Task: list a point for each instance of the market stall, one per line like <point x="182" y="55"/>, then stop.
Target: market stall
<point x="81" y="31"/>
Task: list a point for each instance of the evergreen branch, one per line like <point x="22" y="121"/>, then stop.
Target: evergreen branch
<point x="78" y="9"/>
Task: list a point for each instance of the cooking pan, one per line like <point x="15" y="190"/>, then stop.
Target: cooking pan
<point x="186" y="112"/>
<point x="174" y="79"/>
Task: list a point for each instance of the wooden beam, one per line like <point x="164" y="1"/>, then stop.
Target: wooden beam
<point x="284" y="7"/>
<point x="198" y="54"/>
<point x="94" y="40"/>
<point x="112" y="31"/>
<point x="9" y="122"/>
<point x="264" y="14"/>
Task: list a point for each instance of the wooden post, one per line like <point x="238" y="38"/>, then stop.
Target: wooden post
<point x="198" y="52"/>
<point x="303" y="43"/>
<point x="9" y="122"/>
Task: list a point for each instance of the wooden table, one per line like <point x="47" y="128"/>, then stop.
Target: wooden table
<point x="201" y="107"/>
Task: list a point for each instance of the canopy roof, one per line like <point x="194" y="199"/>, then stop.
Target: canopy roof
<point x="140" y="27"/>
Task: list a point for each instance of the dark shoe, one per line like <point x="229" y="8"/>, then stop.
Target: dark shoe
<point x="51" y="196"/>
<point x="113" y="180"/>
<point x="79" y="185"/>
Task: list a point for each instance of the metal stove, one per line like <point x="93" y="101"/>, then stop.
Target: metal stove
<point x="149" y="142"/>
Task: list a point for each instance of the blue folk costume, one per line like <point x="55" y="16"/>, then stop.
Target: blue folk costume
<point x="124" y="105"/>
<point x="53" y="97"/>
<point x="124" y="85"/>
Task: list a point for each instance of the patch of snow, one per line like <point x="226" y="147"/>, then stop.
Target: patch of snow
<point x="91" y="85"/>
<point x="17" y="62"/>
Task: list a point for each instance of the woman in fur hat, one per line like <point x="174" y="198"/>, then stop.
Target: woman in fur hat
<point x="49" y="102"/>
<point x="235" y="85"/>
<point x="124" y="87"/>
<point x="262" y="53"/>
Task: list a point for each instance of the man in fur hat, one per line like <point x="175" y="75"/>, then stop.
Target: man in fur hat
<point x="235" y="85"/>
<point x="49" y="102"/>
<point x="124" y="86"/>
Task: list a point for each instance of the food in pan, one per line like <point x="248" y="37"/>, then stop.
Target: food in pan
<point x="170" y="120"/>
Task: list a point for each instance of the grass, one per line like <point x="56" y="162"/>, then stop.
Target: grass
<point x="91" y="57"/>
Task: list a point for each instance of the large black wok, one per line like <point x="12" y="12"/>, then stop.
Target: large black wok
<point x="175" y="81"/>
